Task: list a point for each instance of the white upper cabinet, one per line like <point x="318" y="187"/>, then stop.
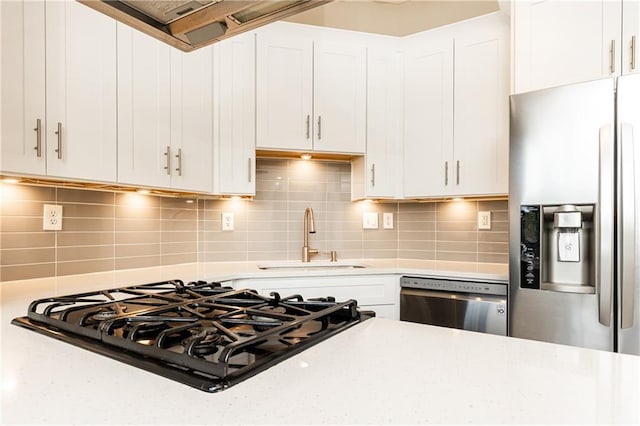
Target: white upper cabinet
<point x="376" y="174"/>
<point x="428" y="115"/>
<point x="311" y="94"/>
<point x="559" y="42"/>
<point x="339" y="97"/>
<point x="144" y="109"/>
<point x="456" y="110"/>
<point x="481" y="108"/>
<point x="165" y="114"/>
<point x="284" y="86"/>
<point x="67" y="91"/>
<point x="234" y="116"/>
<point x="23" y="87"/>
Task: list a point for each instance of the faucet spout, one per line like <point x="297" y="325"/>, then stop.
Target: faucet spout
<point x="309" y="228"/>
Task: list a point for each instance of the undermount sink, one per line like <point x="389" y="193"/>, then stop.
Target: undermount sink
<point x="311" y="265"/>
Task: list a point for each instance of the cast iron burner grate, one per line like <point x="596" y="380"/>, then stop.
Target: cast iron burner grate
<point x="201" y="334"/>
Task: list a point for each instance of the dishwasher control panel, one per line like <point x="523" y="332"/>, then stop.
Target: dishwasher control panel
<point x="457" y="286"/>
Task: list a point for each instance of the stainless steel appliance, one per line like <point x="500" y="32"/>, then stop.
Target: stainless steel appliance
<point x="574" y="213"/>
<point x="467" y="305"/>
<point x="201" y="334"/>
<point x="190" y="24"/>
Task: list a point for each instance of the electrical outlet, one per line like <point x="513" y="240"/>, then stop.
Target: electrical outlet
<point x="227" y="221"/>
<point x="387" y="220"/>
<point x="52" y="218"/>
<point x="484" y="220"/>
<point x="369" y="220"/>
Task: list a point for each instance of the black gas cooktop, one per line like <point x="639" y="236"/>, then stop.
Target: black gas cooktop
<point x="201" y="334"/>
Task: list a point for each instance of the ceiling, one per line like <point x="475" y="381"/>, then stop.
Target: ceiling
<point x="393" y="17"/>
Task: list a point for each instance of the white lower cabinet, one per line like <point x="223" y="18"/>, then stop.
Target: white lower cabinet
<point x="378" y="293"/>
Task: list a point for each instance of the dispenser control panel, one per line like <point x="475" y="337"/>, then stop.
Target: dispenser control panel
<point x="530" y="247"/>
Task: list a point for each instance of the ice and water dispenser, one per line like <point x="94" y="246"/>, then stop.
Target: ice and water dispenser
<point x="558" y="248"/>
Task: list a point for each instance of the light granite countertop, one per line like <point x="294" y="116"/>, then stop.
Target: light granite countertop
<point x="378" y="372"/>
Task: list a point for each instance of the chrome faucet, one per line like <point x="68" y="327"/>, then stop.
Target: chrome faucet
<point x="309" y="228"/>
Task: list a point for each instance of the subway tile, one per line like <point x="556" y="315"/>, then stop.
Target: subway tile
<point x="230" y="246"/>
<point x="456" y="236"/>
<point x="183" y="203"/>
<point x="180" y="225"/>
<point x="417" y="245"/>
<point x="227" y="256"/>
<point x="493" y="205"/>
<point x="21" y="208"/>
<point x="67" y="254"/>
<point x="137" y="212"/>
<point x="457" y="256"/>
<point x="276" y="194"/>
<point x="416" y="235"/>
<point x="417" y="254"/>
<point x="19" y="240"/>
<point x="406" y="208"/>
<point x="21" y="224"/>
<point x="465" y="246"/>
<point x="308" y="196"/>
<point x="178" y="258"/>
<point x="499" y="216"/>
<point x="84" y="266"/>
<point x="137" y="262"/>
<point x="266" y="255"/>
<point x="493" y="236"/>
<point x="136" y="250"/>
<point x="417" y="226"/>
<point x="70" y="238"/>
<point x="138" y="237"/>
<point x="83" y="196"/>
<point x="493" y="257"/>
<point x="137" y="225"/>
<point x="27" y="256"/>
<point x="429" y="216"/>
<point x="87" y="210"/>
<point x="179" y="236"/>
<point x="456" y="226"/>
<point x="23" y="272"/>
<point x="179" y="214"/>
<point x="135" y="199"/>
<point x="493" y="247"/>
<point x="87" y="224"/>
<point x="267" y="245"/>
<point x="27" y="193"/>
<point x="380" y="254"/>
<point x="179" y="248"/>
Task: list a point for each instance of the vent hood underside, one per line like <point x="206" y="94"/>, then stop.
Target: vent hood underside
<point x="191" y="24"/>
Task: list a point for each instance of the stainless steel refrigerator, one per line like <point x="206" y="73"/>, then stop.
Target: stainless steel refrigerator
<point x="574" y="213"/>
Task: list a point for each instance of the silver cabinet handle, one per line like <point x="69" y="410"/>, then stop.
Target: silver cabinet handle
<point x="59" y="148"/>
<point x="633" y="52"/>
<point x="373" y="174"/>
<point x="249" y="168"/>
<point x="628" y="225"/>
<point x="612" y="57"/>
<point x="38" y="131"/>
<point x="167" y="165"/>
<point x="604" y="227"/>
<point x="458" y="172"/>
<point x="179" y="157"/>
<point x="319" y="127"/>
<point x="446" y="173"/>
<point x="308" y="126"/>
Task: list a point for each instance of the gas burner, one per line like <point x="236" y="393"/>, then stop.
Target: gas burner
<point x="202" y="346"/>
<point x="106" y="314"/>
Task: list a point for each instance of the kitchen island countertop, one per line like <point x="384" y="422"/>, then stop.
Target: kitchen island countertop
<point x="381" y="372"/>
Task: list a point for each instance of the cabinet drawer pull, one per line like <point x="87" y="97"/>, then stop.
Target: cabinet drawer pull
<point x="319" y="127"/>
<point x="458" y="172"/>
<point x="59" y="148"/>
<point x="179" y="157"/>
<point x="167" y="165"/>
<point x="249" y="168"/>
<point x="38" y="131"/>
<point x="308" y="126"/>
<point x="446" y="173"/>
<point x="373" y="175"/>
<point x="612" y="57"/>
<point x="633" y="52"/>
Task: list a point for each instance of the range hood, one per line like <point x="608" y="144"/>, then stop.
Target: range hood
<point x="190" y="24"/>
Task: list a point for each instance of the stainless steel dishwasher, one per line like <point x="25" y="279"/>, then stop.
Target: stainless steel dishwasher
<point x="468" y="305"/>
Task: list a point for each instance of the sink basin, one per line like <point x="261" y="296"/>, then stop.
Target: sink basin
<point x="311" y="265"/>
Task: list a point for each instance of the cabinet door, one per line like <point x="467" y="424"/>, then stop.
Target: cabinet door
<point x="284" y="91"/>
<point x="81" y="92"/>
<point x="235" y="115"/>
<point x="561" y="42"/>
<point x="23" y="87"/>
<point x="630" y="36"/>
<point x="428" y="116"/>
<point x="481" y="118"/>
<point x="144" y="114"/>
<point x="384" y="136"/>
<point x="339" y="97"/>
<point x="192" y="120"/>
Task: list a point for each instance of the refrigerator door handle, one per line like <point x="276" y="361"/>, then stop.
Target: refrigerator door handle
<point x="628" y="225"/>
<point x="604" y="250"/>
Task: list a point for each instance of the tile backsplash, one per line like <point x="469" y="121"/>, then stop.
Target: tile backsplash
<point x="108" y="231"/>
